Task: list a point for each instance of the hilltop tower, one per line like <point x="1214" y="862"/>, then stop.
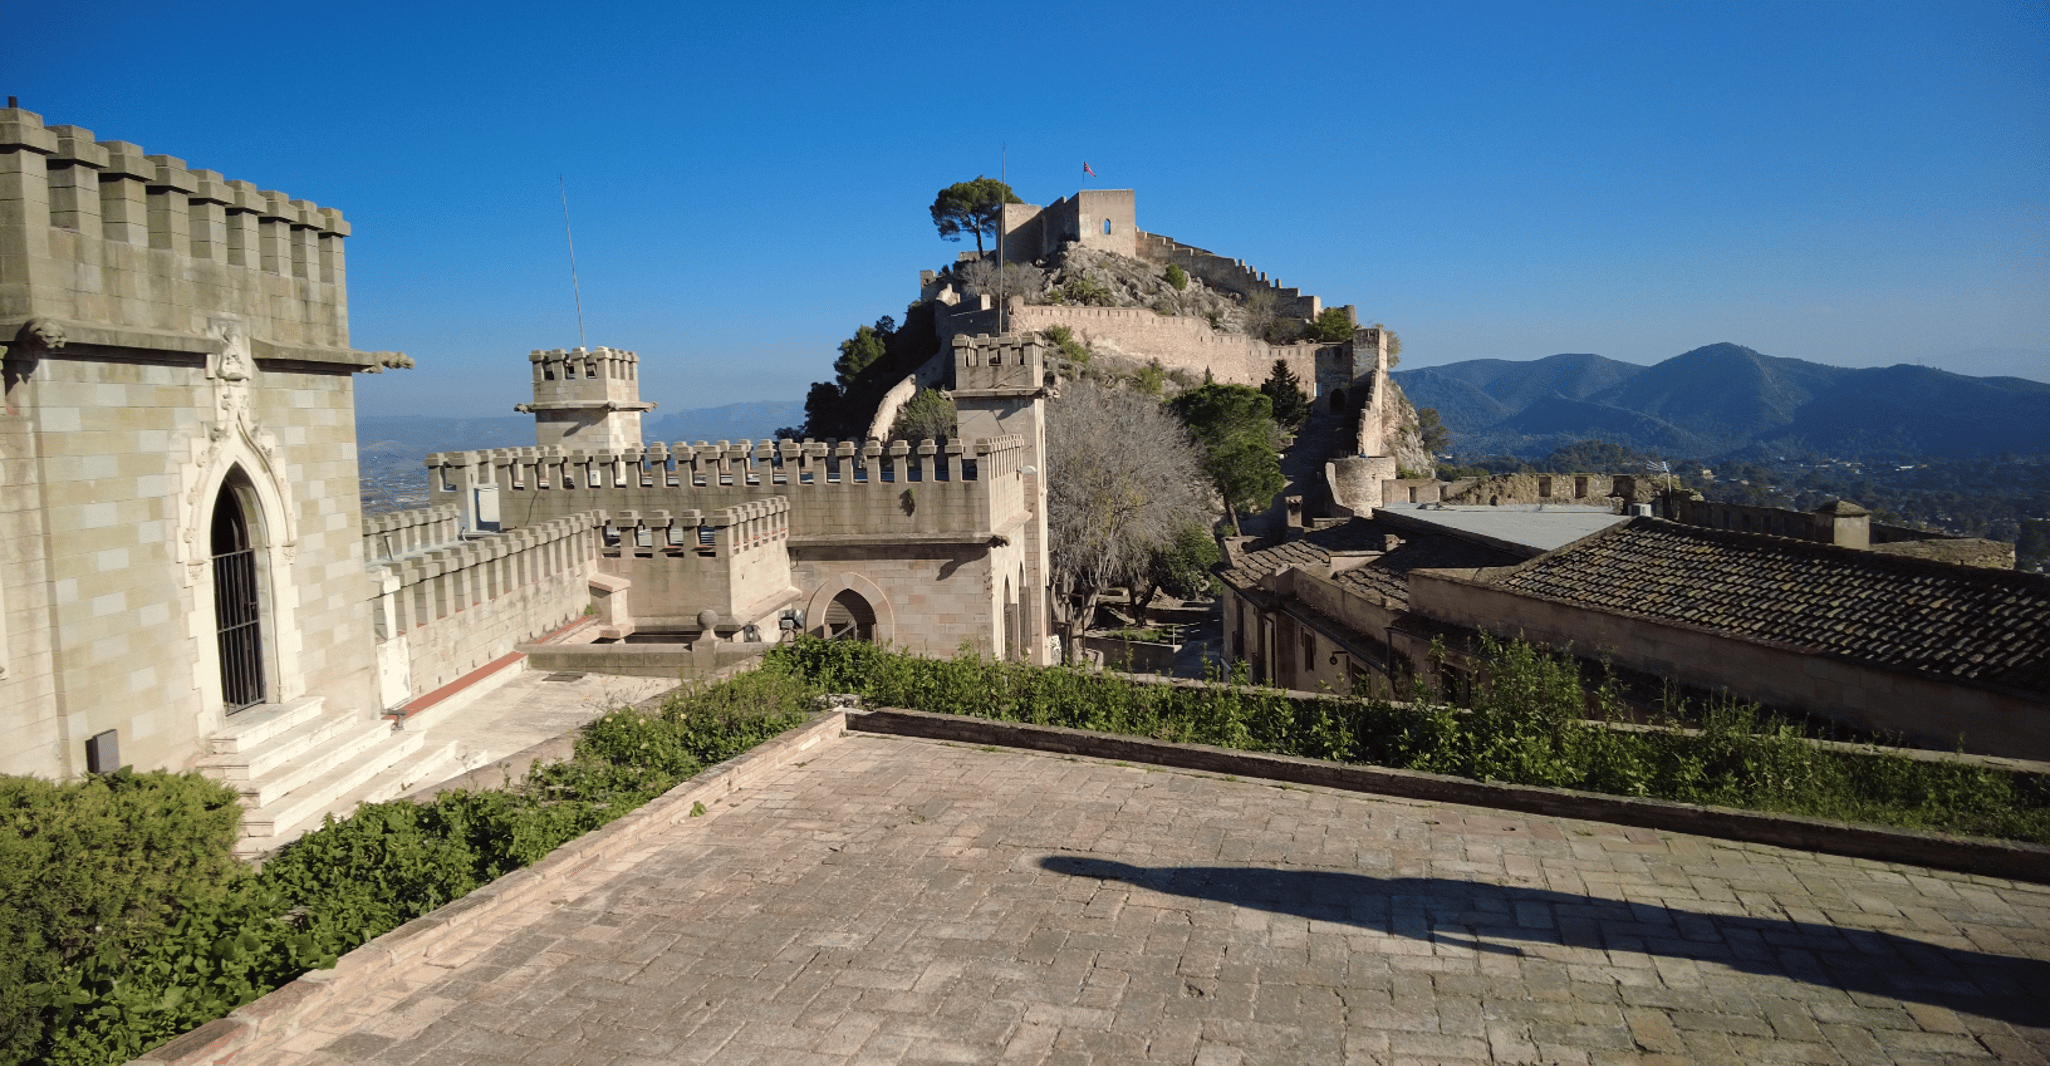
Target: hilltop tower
<point x="586" y="399"/>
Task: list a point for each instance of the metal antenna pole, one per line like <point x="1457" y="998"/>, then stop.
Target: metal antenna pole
<point x="574" y="288"/>
<point x="1003" y="176"/>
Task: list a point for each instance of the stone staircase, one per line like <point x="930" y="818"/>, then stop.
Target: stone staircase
<point x="292" y="764"/>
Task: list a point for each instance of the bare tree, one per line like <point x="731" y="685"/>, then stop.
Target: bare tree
<point x="1123" y="478"/>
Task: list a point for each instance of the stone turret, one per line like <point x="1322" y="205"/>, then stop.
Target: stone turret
<point x="586" y="399"/>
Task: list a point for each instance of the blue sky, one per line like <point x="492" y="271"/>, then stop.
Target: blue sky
<point x="1856" y="184"/>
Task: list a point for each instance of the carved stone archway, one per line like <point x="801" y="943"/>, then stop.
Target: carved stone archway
<point x="885" y="631"/>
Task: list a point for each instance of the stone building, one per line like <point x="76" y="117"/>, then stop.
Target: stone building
<point x="1936" y="651"/>
<point x="181" y="561"/>
<point x="929" y="547"/>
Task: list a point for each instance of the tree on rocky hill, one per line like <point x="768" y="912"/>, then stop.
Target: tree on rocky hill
<point x="1123" y="482"/>
<point x="1235" y="425"/>
<point x="929" y="415"/>
<point x="1331" y="326"/>
<point x="971" y="207"/>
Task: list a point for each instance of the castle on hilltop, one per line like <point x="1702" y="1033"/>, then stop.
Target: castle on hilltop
<point x="187" y="580"/>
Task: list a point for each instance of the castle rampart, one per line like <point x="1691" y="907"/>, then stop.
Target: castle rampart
<point x="836" y="490"/>
<point x="1142" y="335"/>
<point x="387" y="536"/>
<point x="1230" y="275"/>
<point x="444" y="611"/>
<point x="120" y="247"/>
<point x="733" y="562"/>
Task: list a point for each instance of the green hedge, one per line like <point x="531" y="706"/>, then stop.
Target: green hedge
<point x="1527" y="725"/>
<point x="126" y="921"/>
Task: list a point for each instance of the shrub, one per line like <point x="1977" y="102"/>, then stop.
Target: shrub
<point x="1067" y="346"/>
<point x="128" y="923"/>
<point x="1083" y="289"/>
<point x="1176" y="277"/>
<point x="1330" y="326"/>
<point x="1528" y="724"/>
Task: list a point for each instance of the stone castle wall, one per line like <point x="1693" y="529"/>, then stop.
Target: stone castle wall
<point x="114" y="242"/>
<point x="1175" y="341"/>
<point x="1230" y="275"/>
<point x="171" y="336"/>
<point x="111" y="478"/>
<point x="443" y="611"/>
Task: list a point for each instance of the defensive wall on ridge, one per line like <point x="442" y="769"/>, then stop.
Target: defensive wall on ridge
<point x="1230" y="275"/>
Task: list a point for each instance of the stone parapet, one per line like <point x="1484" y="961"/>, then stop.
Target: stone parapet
<point x="388" y="536"/>
<point x="459" y="606"/>
<point x="105" y="233"/>
<point x="1230" y="275"/>
<point x="832" y="487"/>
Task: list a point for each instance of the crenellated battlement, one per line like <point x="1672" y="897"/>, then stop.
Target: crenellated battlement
<point x="113" y="244"/>
<point x="1011" y="363"/>
<point x="388" y="536"/>
<point x="440" y="582"/>
<point x="721" y="534"/>
<point x="833" y="488"/>
<point x="586" y="398"/>
<point x="1230" y="275"/>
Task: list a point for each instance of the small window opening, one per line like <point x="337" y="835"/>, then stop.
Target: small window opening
<point x="1106" y="227"/>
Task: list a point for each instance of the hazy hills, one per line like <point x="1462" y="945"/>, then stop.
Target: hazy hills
<point x="416" y="435"/>
<point x="1726" y="398"/>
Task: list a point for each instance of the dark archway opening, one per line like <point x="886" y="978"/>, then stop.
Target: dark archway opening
<point x="238" y="604"/>
<point x="1337" y="401"/>
<point x="849" y="617"/>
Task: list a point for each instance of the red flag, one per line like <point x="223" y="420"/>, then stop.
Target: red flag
<point x="1086" y="170"/>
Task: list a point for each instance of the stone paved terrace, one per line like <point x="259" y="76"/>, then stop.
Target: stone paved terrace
<point x="909" y="901"/>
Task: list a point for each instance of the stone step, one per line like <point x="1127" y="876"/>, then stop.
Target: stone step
<point x="250" y="728"/>
<point x="357" y="737"/>
<point x="250" y="764"/>
<point x="433" y="763"/>
<point x="265" y="828"/>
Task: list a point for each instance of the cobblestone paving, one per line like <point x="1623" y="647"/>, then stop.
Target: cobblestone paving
<point x="904" y="901"/>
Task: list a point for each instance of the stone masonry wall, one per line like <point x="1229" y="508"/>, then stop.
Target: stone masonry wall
<point x="843" y="489"/>
<point x="105" y="235"/>
<point x="1231" y="275"/>
<point x="110" y="550"/>
<point x="1141" y="335"/>
<point x="447" y="611"/>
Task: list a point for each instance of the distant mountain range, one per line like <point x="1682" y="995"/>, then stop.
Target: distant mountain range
<point x="413" y="436"/>
<point x="1726" y="399"/>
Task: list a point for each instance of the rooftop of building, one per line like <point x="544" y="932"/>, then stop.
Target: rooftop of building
<point x="1386" y="573"/>
<point x="1936" y="619"/>
<point x="1526" y="528"/>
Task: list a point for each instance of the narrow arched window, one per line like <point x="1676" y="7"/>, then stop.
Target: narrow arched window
<point x="238" y="604"/>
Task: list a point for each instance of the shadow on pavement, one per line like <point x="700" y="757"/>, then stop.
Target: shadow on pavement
<point x="1472" y="914"/>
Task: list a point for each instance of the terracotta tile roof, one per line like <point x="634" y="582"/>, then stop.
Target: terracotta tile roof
<point x="1312" y="550"/>
<point x="1386" y="576"/>
<point x="1936" y="619"/>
